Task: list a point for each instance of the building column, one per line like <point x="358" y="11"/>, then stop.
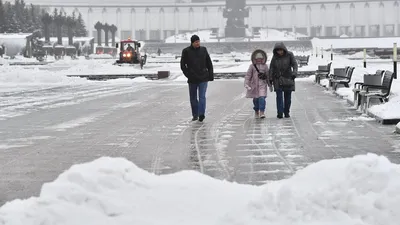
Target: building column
<point x="367" y="19"/>
<point x="162" y="23"/>
<point x="337" y="19"/>
<point x="308" y="17"/>
<point x="90" y="24"/>
<point x="104" y="16"/>
<point x="133" y="23"/>
<point x="176" y="20"/>
<point x="381" y="19"/>
<point x="205" y="18"/>
<point x="322" y="19"/>
<point x="191" y="19"/>
<point x="118" y="23"/>
<point x="293" y="19"/>
<point x="147" y="16"/>
<point x="264" y="19"/>
<point x="353" y="20"/>
<point x="396" y="22"/>
<point x="221" y="25"/>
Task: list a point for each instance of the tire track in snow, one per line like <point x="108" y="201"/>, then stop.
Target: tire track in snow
<point x="24" y="107"/>
<point x="81" y="129"/>
<point x="218" y="148"/>
<point x="306" y="116"/>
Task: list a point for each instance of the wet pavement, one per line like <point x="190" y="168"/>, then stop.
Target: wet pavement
<point x="150" y="125"/>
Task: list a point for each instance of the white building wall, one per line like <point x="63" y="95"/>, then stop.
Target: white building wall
<point x="134" y="18"/>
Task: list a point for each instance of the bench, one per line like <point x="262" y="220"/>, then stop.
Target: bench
<point x="338" y="72"/>
<point x="336" y="80"/>
<point x="322" y="72"/>
<point x="302" y="60"/>
<point x="359" y="86"/>
<point x="380" y="92"/>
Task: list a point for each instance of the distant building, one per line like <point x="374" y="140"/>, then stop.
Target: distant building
<point x="157" y="19"/>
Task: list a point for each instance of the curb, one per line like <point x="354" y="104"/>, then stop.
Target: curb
<point x="393" y="121"/>
<point x="384" y="121"/>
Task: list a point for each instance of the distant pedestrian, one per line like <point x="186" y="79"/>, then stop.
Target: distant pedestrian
<point x="257" y="82"/>
<point x="283" y="71"/>
<point x="197" y="66"/>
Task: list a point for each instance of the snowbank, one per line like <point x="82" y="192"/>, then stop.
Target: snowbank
<point x="17" y="76"/>
<point x="359" y="190"/>
<point x="265" y="35"/>
<point x="389" y="110"/>
<point x="360" y="55"/>
<point x="351" y="43"/>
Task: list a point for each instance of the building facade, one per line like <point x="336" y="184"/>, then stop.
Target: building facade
<point x="161" y="18"/>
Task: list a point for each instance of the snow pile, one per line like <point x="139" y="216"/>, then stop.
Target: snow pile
<point x="207" y="36"/>
<point x="360" y="55"/>
<point x="359" y="190"/>
<point x="389" y="110"/>
<point x="352" y="43"/>
<point x="16" y="76"/>
<point x="96" y="67"/>
<point x="360" y="118"/>
<point x="100" y="56"/>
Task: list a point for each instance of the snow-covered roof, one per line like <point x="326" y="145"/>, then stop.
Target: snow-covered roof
<point x="14" y="35"/>
<point x="54" y="39"/>
<point x="265" y="35"/>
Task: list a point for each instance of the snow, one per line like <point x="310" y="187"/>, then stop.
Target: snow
<point x="360" y="55"/>
<point x="54" y="73"/>
<point x="206" y="36"/>
<point x="16" y="76"/>
<point x="398" y="126"/>
<point x="351" y="43"/>
<point x="389" y="110"/>
<point x="359" y="190"/>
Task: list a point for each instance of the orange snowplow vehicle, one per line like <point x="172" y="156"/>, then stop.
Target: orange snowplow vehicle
<point x="129" y="53"/>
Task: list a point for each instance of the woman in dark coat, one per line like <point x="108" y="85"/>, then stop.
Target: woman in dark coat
<point x="283" y="70"/>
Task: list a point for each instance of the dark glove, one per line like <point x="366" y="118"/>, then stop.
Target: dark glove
<point x="293" y="77"/>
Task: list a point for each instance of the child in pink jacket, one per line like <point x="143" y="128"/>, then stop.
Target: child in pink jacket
<point x="257" y="82"/>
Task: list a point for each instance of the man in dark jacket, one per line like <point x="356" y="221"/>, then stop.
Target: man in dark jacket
<point x="196" y="65"/>
<point x="283" y="70"/>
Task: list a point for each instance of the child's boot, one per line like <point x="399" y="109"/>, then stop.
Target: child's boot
<point x="262" y="114"/>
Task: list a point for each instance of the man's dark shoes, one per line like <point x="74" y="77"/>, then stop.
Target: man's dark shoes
<point x="280" y="116"/>
<point x="195" y="118"/>
<point x="201" y="118"/>
<point x="287" y="115"/>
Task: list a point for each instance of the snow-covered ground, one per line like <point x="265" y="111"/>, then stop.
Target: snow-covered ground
<point x="54" y="74"/>
<point x="265" y="35"/>
<point x="389" y="110"/>
<point x="359" y="190"/>
<point x="386" y="42"/>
